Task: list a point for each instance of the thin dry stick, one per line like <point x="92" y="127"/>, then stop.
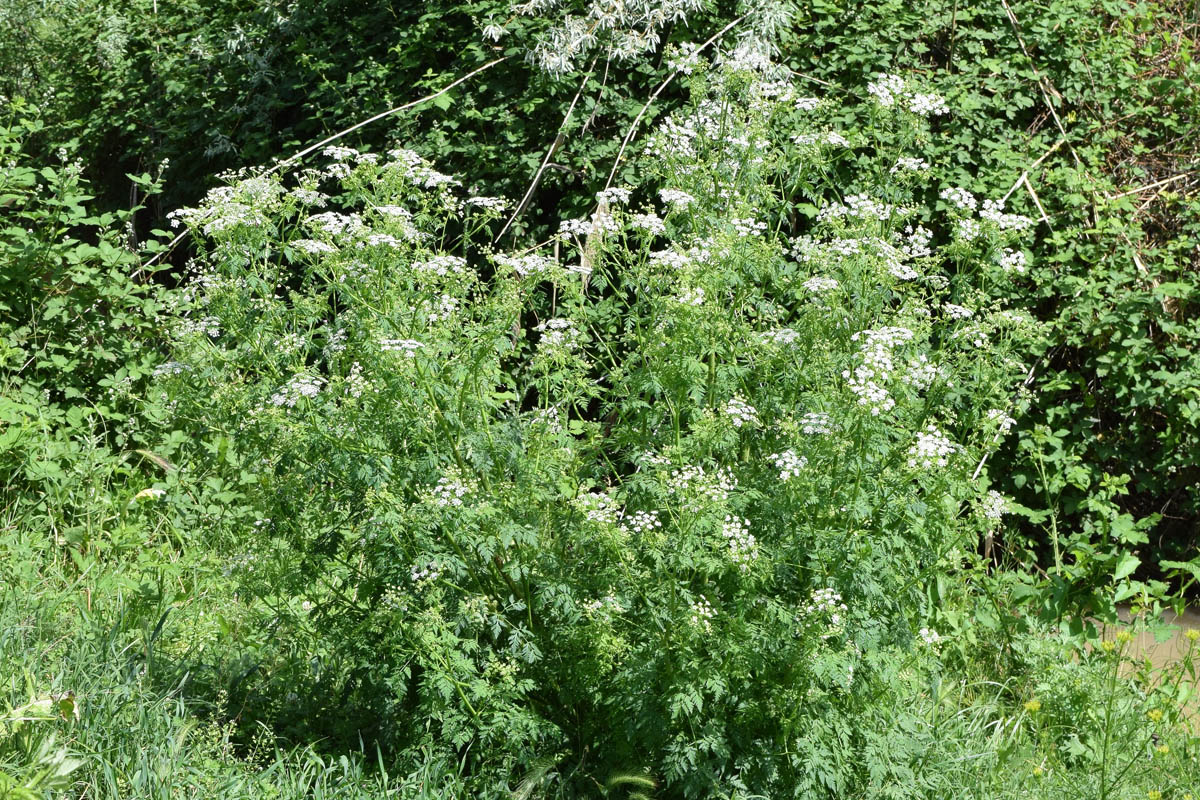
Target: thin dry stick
<point x="653" y="97"/>
<point x="1036" y="201"/>
<point x="558" y="141"/>
<point x="289" y="162"/>
<point x="1154" y="185"/>
<point x="1025" y="172"/>
<point x="1024" y="385"/>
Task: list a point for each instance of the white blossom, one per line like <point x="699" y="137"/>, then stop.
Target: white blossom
<point x="740" y="412"/>
<point x="931" y="449"/>
<point x="789" y="464"/>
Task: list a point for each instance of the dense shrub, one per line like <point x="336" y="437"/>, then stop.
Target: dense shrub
<point x="1103" y="90"/>
<point x="665" y="496"/>
<point x="1096" y="102"/>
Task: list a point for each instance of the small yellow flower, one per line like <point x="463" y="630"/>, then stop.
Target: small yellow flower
<point x="1162" y="749"/>
<point x="1192" y="634"/>
<point x="1033" y="706"/>
<point x="1038" y="771"/>
<point x="1154" y="794"/>
<point x="1107" y="646"/>
<point x="1124" y="637"/>
<point x="1155" y="715"/>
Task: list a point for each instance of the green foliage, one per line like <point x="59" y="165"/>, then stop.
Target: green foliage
<point x="688" y="500"/>
<point x="588" y="503"/>
<point x="187" y="90"/>
<point x="1110" y="268"/>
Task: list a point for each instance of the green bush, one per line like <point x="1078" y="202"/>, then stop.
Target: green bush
<point x="665" y="498"/>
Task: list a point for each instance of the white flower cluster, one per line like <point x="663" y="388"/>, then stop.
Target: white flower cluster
<point x="927" y="104"/>
<point x="740" y="412"/>
<point x="743" y="547"/>
<point x="171" y="368"/>
<point x="381" y="240"/>
<point x="954" y="311"/>
<point x="825" y="606"/>
<point x="869" y="379"/>
<point x="600" y="222"/>
<point x="312" y="246"/>
<point x="494" y="204"/>
<point x="607" y="604"/>
<point x="909" y="164"/>
<point x="336" y="224"/>
<point x="967" y="229"/>
<point x="649" y="458"/>
<point x="1013" y="261"/>
<point x="640" y="522"/>
<point x="816" y="423"/>
<point x="779" y="336"/>
<point x="205" y="326"/>
<point x="408" y="347"/>
<point x="819" y="284"/>
<point x="625" y="29"/>
<point x="528" y="264"/>
<point x="699" y="487"/>
<point x="450" y="491"/>
<point x="916" y="242"/>
<point x="418" y="170"/>
<point x="993" y="211"/>
<point x="691" y="297"/>
<point x="599" y="507"/>
<point x="994" y="506"/>
<point x="684" y="58"/>
<point x="960" y="198"/>
<point x="649" y="222"/>
<point x="930" y="638"/>
<point x="677" y="200"/>
<point x="889" y="90"/>
<point x="972" y="334"/>
<point x="702" y="614"/>
<point x="832" y="138"/>
<point x="356" y="384"/>
<point x="921" y="372"/>
<point x="859" y="206"/>
<point x="748" y="226"/>
<point x="248" y="203"/>
<point x="559" y="334"/>
<point x="616" y="195"/>
<point x="1004" y="423"/>
<point x="300" y="386"/>
<point x="789" y="464"/>
<point x="441" y="266"/>
<point x="931" y="449"/>
<point x="424" y="575"/>
<point x="309" y="197"/>
<point x="886" y="89"/>
<point x="444" y="308"/>
<point x="670" y="259"/>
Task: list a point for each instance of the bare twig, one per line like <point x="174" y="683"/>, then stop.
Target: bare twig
<point x="1025" y="173"/>
<point x="637" y="120"/>
<point x="1154" y="185"/>
<point x="1036" y="201"/>
<point x="559" y="138"/>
